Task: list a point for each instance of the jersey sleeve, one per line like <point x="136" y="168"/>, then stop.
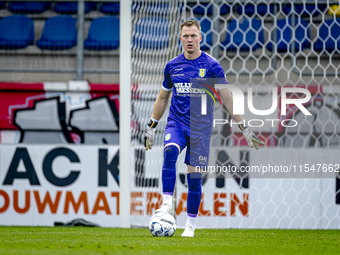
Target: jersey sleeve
<point x="167" y="84"/>
<point x="219" y="75"/>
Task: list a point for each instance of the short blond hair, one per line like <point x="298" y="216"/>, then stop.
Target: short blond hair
<point x="190" y="23"/>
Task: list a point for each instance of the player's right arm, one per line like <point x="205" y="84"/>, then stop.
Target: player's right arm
<point x="161" y="104"/>
<point x="159" y="108"/>
<point x="158" y="111"/>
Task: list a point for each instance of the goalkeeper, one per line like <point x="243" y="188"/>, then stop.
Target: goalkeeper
<point x="186" y="126"/>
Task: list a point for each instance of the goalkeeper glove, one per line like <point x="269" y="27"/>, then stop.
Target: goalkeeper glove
<point x="252" y="139"/>
<point x="150" y="130"/>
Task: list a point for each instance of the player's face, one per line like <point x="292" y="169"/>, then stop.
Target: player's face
<point x="191" y="38"/>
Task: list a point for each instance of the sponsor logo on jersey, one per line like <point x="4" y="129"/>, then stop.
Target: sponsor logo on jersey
<point x="167" y="137"/>
<point x="185" y="88"/>
<point x="179" y="69"/>
<point x="201" y="72"/>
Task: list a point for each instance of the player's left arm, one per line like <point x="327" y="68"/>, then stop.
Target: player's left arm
<point x="252" y="139"/>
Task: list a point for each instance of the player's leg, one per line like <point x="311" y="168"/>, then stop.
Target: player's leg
<point x="174" y="142"/>
<point x="171" y="152"/>
<point x="194" y="179"/>
<point x="197" y="157"/>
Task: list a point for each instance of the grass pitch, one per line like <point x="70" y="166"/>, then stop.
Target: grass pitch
<point x="81" y="240"/>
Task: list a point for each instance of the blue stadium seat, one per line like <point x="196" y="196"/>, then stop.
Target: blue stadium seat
<point x="72" y="7"/>
<point x="59" y="33"/>
<point x="225" y="9"/>
<point x="249" y="9"/>
<point x="284" y="35"/>
<point x="310" y="9"/>
<point x="28" y="7"/>
<point x="206" y="36"/>
<point x="199" y="10"/>
<point x="109" y="8"/>
<point x="16" y="32"/>
<point x="154" y="8"/>
<point x="157" y="8"/>
<point x="2" y="4"/>
<point x="151" y="33"/>
<point x="239" y="30"/>
<point x="333" y="41"/>
<point x="103" y="34"/>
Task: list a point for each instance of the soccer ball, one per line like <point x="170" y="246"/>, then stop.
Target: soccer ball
<point x="162" y="224"/>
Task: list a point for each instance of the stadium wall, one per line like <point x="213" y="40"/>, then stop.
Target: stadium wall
<point x="75" y="112"/>
<point x="43" y="184"/>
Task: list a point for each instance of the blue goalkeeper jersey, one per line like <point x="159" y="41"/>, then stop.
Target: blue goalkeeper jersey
<point x="190" y="80"/>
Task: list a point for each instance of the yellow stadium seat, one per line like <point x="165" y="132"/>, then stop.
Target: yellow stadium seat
<point x="334" y="9"/>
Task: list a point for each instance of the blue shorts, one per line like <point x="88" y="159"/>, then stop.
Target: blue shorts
<point x="198" y="145"/>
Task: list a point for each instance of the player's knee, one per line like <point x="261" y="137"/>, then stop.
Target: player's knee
<point x="170" y="155"/>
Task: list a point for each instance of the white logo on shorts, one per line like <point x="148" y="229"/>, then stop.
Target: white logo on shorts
<point x="202" y="159"/>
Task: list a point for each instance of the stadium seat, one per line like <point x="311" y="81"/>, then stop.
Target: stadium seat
<point x="59" y="33"/>
<point x="2" y="4"/>
<point x="284" y="35"/>
<point x="310" y="9"/>
<point x="157" y="8"/>
<point x="154" y="8"/>
<point x="206" y="36"/>
<point x="326" y="41"/>
<point x="72" y="7"/>
<point x="109" y="8"/>
<point x="103" y="34"/>
<point x="334" y="9"/>
<point x="28" y="7"/>
<point x="238" y="30"/>
<point x="151" y="33"/>
<point x="200" y="9"/>
<point x="16" y="32"/>
<point x="249" y="9"/>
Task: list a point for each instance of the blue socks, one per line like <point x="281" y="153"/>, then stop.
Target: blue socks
<point x="169" y="169"/>
<point x="169" y="178"/>
<point x="194" y="193"/>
